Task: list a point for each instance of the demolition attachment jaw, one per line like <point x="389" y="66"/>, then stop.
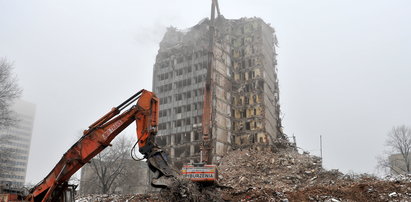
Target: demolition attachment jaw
<point x="164" y="174"/>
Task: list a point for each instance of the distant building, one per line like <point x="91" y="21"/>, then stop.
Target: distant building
<point x="397" y="164"/>
<point x="245" y="106"/>
<point x="17" y="142"/>
<point x="135" y="180"/>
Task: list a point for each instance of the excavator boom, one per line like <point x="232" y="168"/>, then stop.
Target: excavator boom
<point x="99" y="135"/>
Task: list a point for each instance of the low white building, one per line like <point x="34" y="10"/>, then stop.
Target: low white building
<point x="398" y="165"/>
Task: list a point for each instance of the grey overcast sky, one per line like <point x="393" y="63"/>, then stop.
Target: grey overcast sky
<point x="344" y="67"/>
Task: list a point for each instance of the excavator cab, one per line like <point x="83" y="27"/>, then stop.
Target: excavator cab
<point x="68" y="194"/>
<point x="10" y="194"/>
<point x="15" y="194"/>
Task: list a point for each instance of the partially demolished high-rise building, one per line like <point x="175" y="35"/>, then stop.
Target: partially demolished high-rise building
<point x="245" y="96"/>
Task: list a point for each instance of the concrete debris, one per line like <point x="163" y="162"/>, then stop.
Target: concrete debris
<point x="118" y="198"/>
<point x="400" y="178"/>
<point x="393" y="194"/>
<point x="284" y="171"/>
<point x="334" y="200"/>
<point x="253" y="175"/>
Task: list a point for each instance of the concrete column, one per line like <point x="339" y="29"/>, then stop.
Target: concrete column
<point x="173" y="140"/>
<point x="172" y="153"/>
<point x="191" y="149"/>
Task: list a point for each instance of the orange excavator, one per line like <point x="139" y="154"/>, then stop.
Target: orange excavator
<point x="97" y="137"/>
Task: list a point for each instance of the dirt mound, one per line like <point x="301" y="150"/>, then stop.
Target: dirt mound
<point x="362" y="190"/>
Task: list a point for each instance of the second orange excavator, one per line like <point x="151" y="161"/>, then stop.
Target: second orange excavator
<point x="205" y="171"/>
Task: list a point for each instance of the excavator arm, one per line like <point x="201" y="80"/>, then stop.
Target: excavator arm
<point x="99" y="135"/>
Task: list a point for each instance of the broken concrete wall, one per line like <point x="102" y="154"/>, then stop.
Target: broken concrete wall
<point x="255" y="84"/>
<point x="221" y="100"/>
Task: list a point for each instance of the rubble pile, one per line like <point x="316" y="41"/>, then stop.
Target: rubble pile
<point x="363" y="189"/>
<point x="400" y="178"/>
<point x="253" y="175"/>
<point x="185" y="190"/>
<point x="118" y="198"/>
<point x="287" y="171"/>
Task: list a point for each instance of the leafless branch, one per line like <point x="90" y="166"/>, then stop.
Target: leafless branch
<point x="9" y="90"/>
<point x="398" y="159"/>
<point x="110" y="164"/>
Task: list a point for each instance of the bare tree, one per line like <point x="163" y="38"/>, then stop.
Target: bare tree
<point x="398" y="158"/>
<point x="110" y="165"/>
<point x="9" y="90"/>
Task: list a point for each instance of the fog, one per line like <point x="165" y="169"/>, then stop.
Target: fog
<point x="344" y="67"/>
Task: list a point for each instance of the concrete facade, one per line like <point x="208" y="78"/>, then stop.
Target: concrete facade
<point x="18" y="139"/>
<point x="245" y="95"/>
